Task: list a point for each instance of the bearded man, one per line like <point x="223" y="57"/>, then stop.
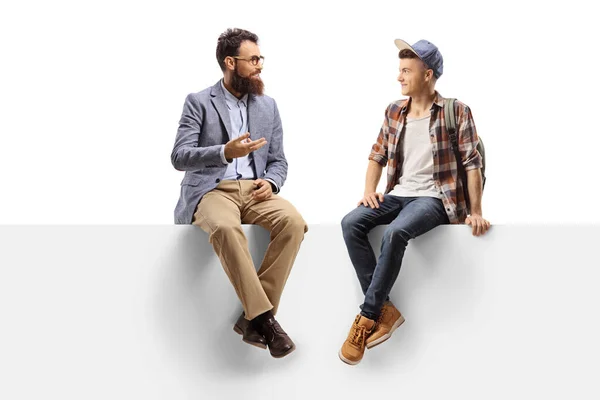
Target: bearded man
<point x="230" y="145"/>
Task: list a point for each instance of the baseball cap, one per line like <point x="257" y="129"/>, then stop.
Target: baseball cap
<point x="427" y="52"/>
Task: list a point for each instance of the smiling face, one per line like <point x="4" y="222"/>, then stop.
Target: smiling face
<point x="245" y="77"/>
<point x="247" y="55"/>
<point x="413" y="76"/>
<point x="239" y="57"/>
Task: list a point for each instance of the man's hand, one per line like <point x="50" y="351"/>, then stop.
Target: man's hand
<point x="479" y="224"/>
<point x="370" y="200"/>
<point x="242" y="146"/>
<point x="263" y="190"/>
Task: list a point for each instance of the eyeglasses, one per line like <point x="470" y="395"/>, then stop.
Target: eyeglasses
<point x="254" y="60"/>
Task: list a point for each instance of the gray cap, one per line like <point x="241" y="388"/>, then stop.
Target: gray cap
<point x="427" y="52"/>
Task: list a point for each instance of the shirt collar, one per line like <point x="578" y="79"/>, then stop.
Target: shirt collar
<point x="437" y="101"/>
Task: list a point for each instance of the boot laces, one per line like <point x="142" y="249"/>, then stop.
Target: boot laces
<point x="276" y="328"/>
<point x="357" y="335"/>
<point x="382" y="315"/>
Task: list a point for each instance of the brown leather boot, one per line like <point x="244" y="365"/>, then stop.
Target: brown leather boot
<point x="353" y="349"/>
<point x="280" y="344"/>
<point x="389" y="319"/>
<point x="249" y="334"/>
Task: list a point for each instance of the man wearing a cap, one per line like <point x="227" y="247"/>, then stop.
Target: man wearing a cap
<point x="423" y="190"/>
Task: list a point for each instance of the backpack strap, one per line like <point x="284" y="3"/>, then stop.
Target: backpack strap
<point x="450" y="119"/>
<point x="449" y="115"/>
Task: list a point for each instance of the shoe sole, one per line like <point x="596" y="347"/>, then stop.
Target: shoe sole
<point x="344" y="359"/>
<point x="388" y="335"/>
<point x="238" y="330"/>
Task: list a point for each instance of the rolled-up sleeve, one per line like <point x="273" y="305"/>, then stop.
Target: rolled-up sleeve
<point x="379" y="149"/>
<point x="468" y="140"/>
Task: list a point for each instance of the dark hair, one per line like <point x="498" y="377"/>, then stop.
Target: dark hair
<point x="406" y="53"/>
<point x="229" y="42"/>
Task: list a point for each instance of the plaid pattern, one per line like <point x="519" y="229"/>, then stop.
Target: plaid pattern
<point x="388" y="150"/>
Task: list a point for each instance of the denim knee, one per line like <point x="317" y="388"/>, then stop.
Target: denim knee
<point x="396" y="236"/>
<point x="350" y="222"/>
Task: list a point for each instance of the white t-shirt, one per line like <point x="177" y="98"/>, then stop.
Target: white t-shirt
<point x="417" y="165"/>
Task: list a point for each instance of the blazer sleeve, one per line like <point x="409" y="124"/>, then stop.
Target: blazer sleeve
<point x="186" y="155"/>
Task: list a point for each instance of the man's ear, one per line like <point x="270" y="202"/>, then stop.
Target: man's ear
<point x="429" y="75"/>
<point x="230" y="63"/>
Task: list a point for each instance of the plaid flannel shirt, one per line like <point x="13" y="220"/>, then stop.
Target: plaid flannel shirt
<point x="388" y="150"/>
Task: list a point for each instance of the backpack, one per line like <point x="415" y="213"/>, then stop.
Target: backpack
<point x="450" y="119"/>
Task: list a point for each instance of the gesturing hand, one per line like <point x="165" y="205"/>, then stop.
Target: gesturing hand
<point x="263" y="190"/>
<point x="479" y="224"/>
<point x="242" y="146"/>
<point x="370" y="200"/>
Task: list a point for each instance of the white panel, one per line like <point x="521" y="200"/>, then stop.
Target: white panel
<point x="126" y="312"/>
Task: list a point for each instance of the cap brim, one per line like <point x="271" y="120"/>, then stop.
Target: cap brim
<point x="402" y="45"/>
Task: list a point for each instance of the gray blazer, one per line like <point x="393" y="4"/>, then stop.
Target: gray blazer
<point x="204" y="127"/>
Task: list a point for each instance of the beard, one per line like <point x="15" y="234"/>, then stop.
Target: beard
<point x="247" y="85"/>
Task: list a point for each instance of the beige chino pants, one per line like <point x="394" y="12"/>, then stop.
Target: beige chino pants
<point x="221" y="212"/>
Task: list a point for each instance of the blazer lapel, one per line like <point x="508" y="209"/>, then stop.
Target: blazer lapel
<point x="218" y="100"/>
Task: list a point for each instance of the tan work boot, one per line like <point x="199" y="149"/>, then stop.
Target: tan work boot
<point x="389" y="319"/>
<point x="354" y="347"/>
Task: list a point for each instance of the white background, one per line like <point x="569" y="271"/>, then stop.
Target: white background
<point x="91" y="94"/>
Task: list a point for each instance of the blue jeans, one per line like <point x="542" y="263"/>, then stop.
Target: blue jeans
<point x="408" y="217"/>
